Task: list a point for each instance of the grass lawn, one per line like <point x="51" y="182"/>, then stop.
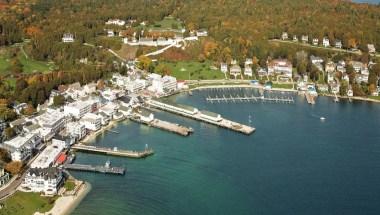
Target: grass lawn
<point x="4" y="64"/>
<point x="31" y="66"/>
<point x="69" y="185"/>
<point x="26" y="204"/>
<point x="196" y="70"/>
<point x="283" y="86"/>
<point x="374" y="97"/>
<point x="166" y="23"/>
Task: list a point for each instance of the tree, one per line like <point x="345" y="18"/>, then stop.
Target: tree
<point x="9" y="133"/>
<point x="7" y="114"/>
<point x="21" y="84"/>
<point x="144" y="62"/>
<point x="4" y="155"/>
<point x="14" y="167"/>
<point x="29" y="110"/>
<point x="58" y="100"/>
<point x="16" y="66"/>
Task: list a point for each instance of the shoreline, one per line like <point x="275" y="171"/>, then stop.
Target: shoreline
<point x="90" y="137"/>
<point x="64" y="205"/>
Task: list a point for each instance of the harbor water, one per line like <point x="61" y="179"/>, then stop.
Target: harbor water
<point x="295" y="163"/>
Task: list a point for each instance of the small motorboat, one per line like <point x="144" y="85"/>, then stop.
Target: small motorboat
<point x="323" y="118"/>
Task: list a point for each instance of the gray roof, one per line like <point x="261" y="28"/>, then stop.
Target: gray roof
<point x="47" y="173"/>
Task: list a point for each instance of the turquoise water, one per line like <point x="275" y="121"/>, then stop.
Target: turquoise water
<point x="293" y="164"/>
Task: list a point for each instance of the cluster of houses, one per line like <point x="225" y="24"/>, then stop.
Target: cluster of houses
<point x="279" y="67"/>
<point x="53" y="130"/>
<point x="325" y="42"/>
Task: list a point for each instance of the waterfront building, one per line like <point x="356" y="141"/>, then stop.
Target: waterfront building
<point x="248" y="70"/>
<point x="146" y="117"/>
<point x="235" y="70"/>
<point x="109" y="109"/>
<point x="48" y="156"/>
<point x="371" y="48"/>
<point x="211" y="116"/>
<point x="77" y="109"/>
<point x="284" y="36"/>
<point x="91" y="121"/>
<point x="305" y="38"/>
<point x="262" y="72"/>
<point x="75" y="129"/>
<point x="68" y="38"/>
<point x="350" y="92"/>
<point x="280" y="67"/>
<point x="224" y="67"/>
<point x="45" y="180"/>
<point x="167" y="84"/>
<point x="4" y="176"/>
<point x="64" y="141"/>
<point x="326" y="42"/>
<point x="52" y="121"/>
<point x="330" y="67"/>
<point x="134" y="86"/>
<point x="248" y="61"/>
<point x="21" y="147"/>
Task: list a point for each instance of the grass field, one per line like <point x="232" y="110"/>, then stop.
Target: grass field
<point x="29" y="65"/>
<point x="69" y="185"/>
<point x="193" y="70"/>
<point x="374" y="97"/>
<point x="167" y="23"/>
<point x="283" y="86"/>
<point x="26" y="204"/>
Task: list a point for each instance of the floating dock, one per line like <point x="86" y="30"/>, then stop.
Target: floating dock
<point x="204" y="116"/>
<point x="99" y="169"/>
<point x="113" y="151"/>
<point x="249" y="99"/>
<point x="164" y="125"/>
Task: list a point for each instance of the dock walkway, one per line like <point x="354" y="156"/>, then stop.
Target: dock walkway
<point x="114" y="151"/>
<point x="193" y="113"/>
<point x="164" y="125"/>
<point x="249" y="99"/>
<point x="99" y="169"/>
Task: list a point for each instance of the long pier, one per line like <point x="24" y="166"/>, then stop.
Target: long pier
<point x="114" y="151"/>
<point x="204" y="116"/>
<point x="164" y="125"/>
<point x="238" y="98"/>
<point x="99" y="169"/>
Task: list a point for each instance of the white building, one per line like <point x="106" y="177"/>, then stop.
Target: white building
<point x="75" y="129"/>
<point x="305" y="38"/>
<point x="68" y="38"/>
<point x="115" y="22"/>
<point x="315" y="41"/>
<point x="326" y="42"/>
<point x="224" y="67"/>
<point x="371" y="49"/>
<point x="135" y="86"/>
<point x="77" y="109"/>
<point x="202" y="33"/>
<point x="4" y="176"/>
<point x="110" y="33"/>
<point x="109" y="109"/>
<point x="46" y="180"/>
<point x="338" y="44"/>
<point x="63" y="141"/>
<point x="22" y="146"/>
<point x="315" y="59"/>
<point x="235" y="70"/>
<point x="52" y="121"/>
<point x="111" y="94"/>
<point x="48" y="156"/>
<point x="91" y="121"/>
<point x="146" y="117"/>
<point x="248" y="70"/>
<point x="280" y="67"/>
<point x="284" y="36"/>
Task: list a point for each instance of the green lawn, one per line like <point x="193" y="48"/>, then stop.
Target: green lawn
<point x="4" y="64"/>
<point x="374" y="97"/>
<point x="69" y="185"/>
<point x="167" y="23"/>
<point x="183" y="70"/>
<point x="31" y="66"/>
<point x="26" y="204"/>
<point x="283" y="86"/>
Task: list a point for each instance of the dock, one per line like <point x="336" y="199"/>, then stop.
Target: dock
<point x="99" y="169"/>
<point x="164" y="125"/>
<point x="310" y="98"/>
<point x="113" y="151"/>
<point x="237" y="98"/>
<point x="203" y="116"/>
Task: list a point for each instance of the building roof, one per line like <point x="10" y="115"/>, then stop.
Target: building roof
<point x="47" y="173"/>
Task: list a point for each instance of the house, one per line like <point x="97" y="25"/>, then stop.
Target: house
<point x="52" y="121"/>
<point x="316" y="59"/>
<point x="75" y="129"/>
<point x="164" y="85"/>
<point x="20" y="107"/>
<point x="262" y="72"/>
<point x="248" y="61"/>
<point x="284" y="36"/>
<point x="48" y="156"/>
<point x="4" y="176"/>
<point x="111" y="94"/>
<point x="248" y="70"/>
<point x="323" y="87"/>
<point x="115" y="22"/>
<point x="62" y="141"/>
<point x="104" y="118"/>
<point x="91" y="121"/>
<point x="371" y="49"/>
<point x="305" y="38"/>
<point x="22" y="146"/>
<point x="280" y="67"/>
<point x="109" y="109"/>
<point x="146" y="117"/>
<point x="202" y="33"/>
<point x="235" y="70"/>
<point x="330" y="67"/>
<point x="77" y="109"/>
<point x="134" y="86"/>
<point x="334" y="87"/>
<point x="361" y="78"/>
<point x="326" y="42"/>
<point x="68" y="38"/>
<point x="145" y="41"/>
<point x="345" y="77"/>
<point x="110" y="33"/>
<point x="295" y="38"/>
<point x="350" y="92"/>
<point x="224" y="67"/>
<point x="315" y="41"/>
<point x="90" y="88"/>
<point x="338" y="44"/>
<point x="45" y="180"/>
<point x="357" y="65"/>
<point x="330" y="77"/>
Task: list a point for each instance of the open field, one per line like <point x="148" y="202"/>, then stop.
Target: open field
<point x="167" y="24"/>
<point x="22" y="203"/>
<point x="193" y="70"/>
<point x="127" y="52"/>
<point x="283" y="86"/>
<point x="374" y="97"/>
<point x="28" y="65"/>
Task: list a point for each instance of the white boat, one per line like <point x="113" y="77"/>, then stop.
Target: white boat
<point x="323" y="118"/>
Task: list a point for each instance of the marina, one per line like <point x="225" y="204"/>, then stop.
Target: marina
<point x="204" y="116"/>
<point x="114" y="151"/>
<point x="246" y="98"/>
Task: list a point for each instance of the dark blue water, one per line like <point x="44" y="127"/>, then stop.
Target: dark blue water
<point x="367" y="1"/>
<point x="293" y="164"/>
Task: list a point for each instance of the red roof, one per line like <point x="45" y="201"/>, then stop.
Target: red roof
<point x="61" y="158"/>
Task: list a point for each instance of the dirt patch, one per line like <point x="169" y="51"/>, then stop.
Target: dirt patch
<point x="127" y="52"/>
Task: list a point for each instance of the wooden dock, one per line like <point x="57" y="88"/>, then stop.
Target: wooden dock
<point x="204" y="116"/>
<point x="237" y="98"/>
<point x="98" y="169"/>
<point x="113" y="151"/>
<point x="164" y="125"/>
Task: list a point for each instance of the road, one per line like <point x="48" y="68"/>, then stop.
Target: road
<point x="11" y="187"/>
